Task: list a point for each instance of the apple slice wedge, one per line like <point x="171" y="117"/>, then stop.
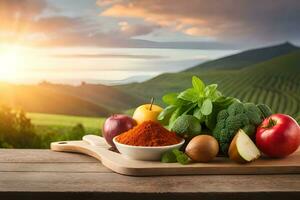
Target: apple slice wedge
<point x="242" y="149"/>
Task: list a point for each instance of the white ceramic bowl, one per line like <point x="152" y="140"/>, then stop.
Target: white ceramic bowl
<point x="144" y="153"/>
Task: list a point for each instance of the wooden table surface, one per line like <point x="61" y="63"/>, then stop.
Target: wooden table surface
<point x="43" y="174"/>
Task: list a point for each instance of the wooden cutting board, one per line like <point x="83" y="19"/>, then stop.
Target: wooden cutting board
<point x="117" y="163"/>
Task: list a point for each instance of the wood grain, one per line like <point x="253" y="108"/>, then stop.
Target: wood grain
<point x="111" y="182"/>
<point x="119" y="164"/>
<point x="55" y="175"/>
<point x="18" y="155"/>
<point x="54" y="167"/>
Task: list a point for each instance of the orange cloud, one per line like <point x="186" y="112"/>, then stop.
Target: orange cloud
<point x="199" y="31"/>
<point x="130" y="30"/>
<point x="154" y="13"/>
<point x="226" y="19"/>
<point x="165" y="20"/>
<point x="27" y="22"/>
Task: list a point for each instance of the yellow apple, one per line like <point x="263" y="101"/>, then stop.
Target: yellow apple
<point x="146" y="113"/>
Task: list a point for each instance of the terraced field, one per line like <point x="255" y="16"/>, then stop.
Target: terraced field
<point x="275" y="82"/>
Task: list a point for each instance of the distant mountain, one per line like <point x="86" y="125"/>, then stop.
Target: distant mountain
<point x="246" y="58"/>
<point x="272" y="77"/>
<point x="131" y="79"/>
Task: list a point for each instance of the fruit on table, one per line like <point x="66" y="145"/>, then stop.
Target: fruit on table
<point x="242" y="149"/>
<point x="147" y="112"/>
<point x="115" y="125"/>
<point x="187" y="126"/>
<point x="278" y="136"/>
<point x="202" y="148"/>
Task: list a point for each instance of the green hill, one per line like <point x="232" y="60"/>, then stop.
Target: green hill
<point x="268" y="75"/>
<point x="43" y="100"/>
<point x="275" y="82"/>
<point x="246" y="58"/>
<point x="109" y="97"/>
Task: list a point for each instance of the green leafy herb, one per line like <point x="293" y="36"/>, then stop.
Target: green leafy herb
<point x="167" y="112"/>
<point x="174" y="156"/>
<point x="189" y="95"/>
<point x="206" y="108"/>
<point x="176" y="114"/>
<point x="202" y="101"/>
<point x="197" y="113"/>
<point x="168" y="157"/>
<point x="181" y="157"/>
<point x="170" y="98"/>
<point x="198" y="85"/>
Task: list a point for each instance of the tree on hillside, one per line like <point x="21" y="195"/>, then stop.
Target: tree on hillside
<point x="16" y="130"/>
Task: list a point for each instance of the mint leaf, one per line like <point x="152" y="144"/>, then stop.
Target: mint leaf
<point x="189" y="95"/>
<point x="199" y="115"/>
<point x="166" y="112"/>
<point x="170" y="98"/>
<point x="224" y="102"/>
<point x="211" y="90"/>
<point x="191" y="107"/>
<point x="198" y="85"/>
<point x="207" y="106"/>
<point x="168" y="157"/>
<point x="175" y="115"/>
<point x="200" y="102"/>
<point x="181" y="157"/>
<point x="174" y="156"/>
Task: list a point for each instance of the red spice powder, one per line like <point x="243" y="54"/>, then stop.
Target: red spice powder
<point x="149" y="133"/>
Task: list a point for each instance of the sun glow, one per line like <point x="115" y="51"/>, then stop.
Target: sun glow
<point x="11" y="58"/>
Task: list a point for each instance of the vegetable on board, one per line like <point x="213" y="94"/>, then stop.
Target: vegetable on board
<point x="237" y="116"/>
<point x="201" y="101"/>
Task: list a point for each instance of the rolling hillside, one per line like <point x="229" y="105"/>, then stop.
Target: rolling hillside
<point x="85" y="100"/>
<point x="109" y="97"/>
<point x="268" y="75"/>
<point x="275" y="82"/>
<point x="246" y="58"/>
<point x="43" y="100"/>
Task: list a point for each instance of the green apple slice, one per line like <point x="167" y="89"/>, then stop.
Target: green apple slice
<point x="242" y="149"/>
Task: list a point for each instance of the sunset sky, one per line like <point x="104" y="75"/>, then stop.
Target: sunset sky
<point x="118" y="39"/>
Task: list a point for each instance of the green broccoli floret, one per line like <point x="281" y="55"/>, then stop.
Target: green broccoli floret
<point x="249" y="129"/>
<point x="223" y="114"/>
<point x="236" y="108"/>
<point x="225" y="138"/>
<point x="237" y="116"/>
<point x="254" y="117"/>
<point x="251" y="107"/>
<point x="220" y="125"/>
<point x="233" y="122"/>
<point x="253" y="113"/>
<point x="243" y="119"/>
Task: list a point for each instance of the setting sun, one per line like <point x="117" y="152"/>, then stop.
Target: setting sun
<point x="10" y="60"/>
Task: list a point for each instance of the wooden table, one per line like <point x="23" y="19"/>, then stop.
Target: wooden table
<point x="43" y="174"/>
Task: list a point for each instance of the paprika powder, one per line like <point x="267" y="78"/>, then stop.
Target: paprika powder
<point x="148" y="133"/>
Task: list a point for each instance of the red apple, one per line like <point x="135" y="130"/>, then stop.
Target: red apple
<point x="115" y="125"/>
<point x="278" y="136"/>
